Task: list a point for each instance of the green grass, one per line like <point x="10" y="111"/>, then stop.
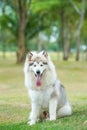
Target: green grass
<point x="15" y="104"/>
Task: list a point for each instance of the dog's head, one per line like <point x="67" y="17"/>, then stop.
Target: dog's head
<point x="38" y="64"/>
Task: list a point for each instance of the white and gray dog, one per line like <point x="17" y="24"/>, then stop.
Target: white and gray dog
<point x="47" y="94"/>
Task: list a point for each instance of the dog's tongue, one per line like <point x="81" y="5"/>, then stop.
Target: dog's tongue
<point x="38" y="81"/>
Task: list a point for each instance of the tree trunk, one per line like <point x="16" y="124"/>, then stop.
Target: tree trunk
<point x="63" y="36"/>
<point x="79" y="27"/>
<point x="21" y="36"/>
<point x="77" y="48"/>
<point x="66" y="52"/>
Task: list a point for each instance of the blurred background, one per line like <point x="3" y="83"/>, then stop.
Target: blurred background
<point x="53" y="25"/>
<point x="60" y="28"/>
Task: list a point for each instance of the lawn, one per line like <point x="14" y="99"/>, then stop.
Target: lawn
<point x="15" y="104"/>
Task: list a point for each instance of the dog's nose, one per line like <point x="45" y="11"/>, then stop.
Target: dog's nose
<point x="38" y="71"/>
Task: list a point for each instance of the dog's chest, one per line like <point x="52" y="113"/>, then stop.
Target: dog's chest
<point x="41" y="97"/>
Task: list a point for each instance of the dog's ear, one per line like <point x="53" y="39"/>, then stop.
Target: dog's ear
<point x="44" y="53"/>
<point x="29" y="56"/>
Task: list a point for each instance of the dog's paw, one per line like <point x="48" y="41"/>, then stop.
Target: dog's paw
<point x="31" y="122"/>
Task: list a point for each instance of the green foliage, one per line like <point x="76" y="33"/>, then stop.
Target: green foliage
<point x="52" y="46"/>
<point x="37" y="6"/>
<point x="40" y="16"/>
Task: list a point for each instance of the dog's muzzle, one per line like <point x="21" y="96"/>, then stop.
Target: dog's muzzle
<point x="38" y="78"/>
<point x="38" y="73"/>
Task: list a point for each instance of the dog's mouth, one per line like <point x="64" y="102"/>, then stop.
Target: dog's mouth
<point x="38" y="79"/>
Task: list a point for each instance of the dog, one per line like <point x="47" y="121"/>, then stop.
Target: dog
<point x="47" y="94"/>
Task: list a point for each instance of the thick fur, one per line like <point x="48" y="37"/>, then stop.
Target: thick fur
<point x="48" y="99"/>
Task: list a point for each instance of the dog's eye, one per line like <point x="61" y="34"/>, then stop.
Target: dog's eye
<point x="41" y="65"/>
<point x="45" y="63"/>
<point x="30" y="64"/>
<point x="34" y="65"/>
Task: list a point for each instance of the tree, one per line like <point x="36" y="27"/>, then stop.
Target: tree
<point x="24" y="25"/>
<point x="22" y="10"/>
<point x="66" y="28"/>
<point x="16" y="23"/>
<point x="79" y="26"/>
<point x="31" y="17"/>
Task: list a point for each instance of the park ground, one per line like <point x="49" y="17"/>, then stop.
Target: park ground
<point x="15" y="104"/>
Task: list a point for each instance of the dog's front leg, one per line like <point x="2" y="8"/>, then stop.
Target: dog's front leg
<point x="34" y="115"/>
<point x="52" y="108"/>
